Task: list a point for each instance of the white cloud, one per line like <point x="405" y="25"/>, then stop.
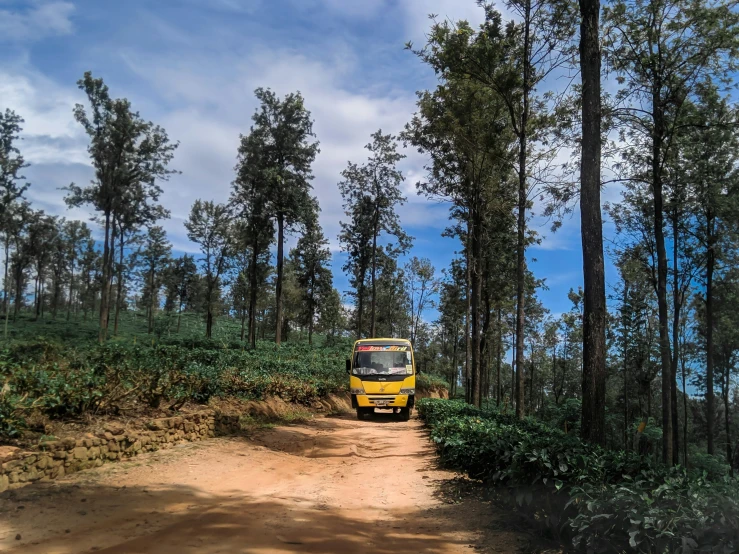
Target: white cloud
<point x="356" y="9"/>
<point x="417" y="14"/>
<point x="236" y="6"/>
<point x="218" y="93"/>
<point x="201" y="90"/>
<point x="50" y="133"/>
<point x="39" y="20"/>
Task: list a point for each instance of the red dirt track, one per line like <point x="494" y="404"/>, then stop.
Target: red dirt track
<point x="334" y="485"/>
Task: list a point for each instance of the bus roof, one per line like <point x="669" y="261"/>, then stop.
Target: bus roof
<point x="382" y="342"/>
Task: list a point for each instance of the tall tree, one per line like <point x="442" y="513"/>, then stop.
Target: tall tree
<point x="76" y="235"/>
<point x="250" y="200"/>
<point x="708" y="171"/>
<point x="209" y="227"/>
<point x="126" y="152"/>
<point x="452" y="312"/>
<point x="311" y="257"/>
<point x="180" y="283"/>
<point x="377" y="184"/>
<point x="393" y="304"/>
<point x="591" y="227"/>
<point x="511" y="62"/>
<point x="661" y="51"/>
<point x="464" y="127"/>
<point x="15" y="220"/>
<point x="284" y="129"/>
<point x="356" y="241"/>
<point x="155" y="256"/>
<point x="42" y="233"/>
<point x="332" y="319"/>
<point x="12" y="182"/>
<point x="421" y="287"/>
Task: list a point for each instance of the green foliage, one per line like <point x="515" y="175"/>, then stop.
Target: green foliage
<point x="601" y="500"/>
<point x="565" y="416"/>
<point x="430" y="383"/>
<point x="59" y="381"/>
<point x="11" y="419"/>
<point x="713" y="466"/>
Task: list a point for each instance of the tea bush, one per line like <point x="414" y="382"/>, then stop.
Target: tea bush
<point x="61" y="381"/>
<point x="597" y="499"/>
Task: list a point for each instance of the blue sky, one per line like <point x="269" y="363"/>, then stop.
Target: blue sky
<point x="192" y="66"/>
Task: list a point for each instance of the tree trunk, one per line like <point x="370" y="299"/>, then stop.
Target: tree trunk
<point x="521" y="223"/>
<point x="71" y="287"/>
<point x="467" y="334"/>
<point x="360" y="302"/>
<point x="253" y="294"/>
<point x="685" y="412"/>
<point x="726" y="381"/>
<point x="311" y="310"/>
<point x="152" y="300"/>
<point x="532" y="388"/>
<point x="55" y="297"/>
<point x="103" y="333"/>
<point x="373" y="306"/>
<point x="499" y="358"/>
<point x="179" y="317"/>
<point x="42" y="306"/>
<point x="513" y="368"/>
<point x="676" y="307"/>
<point x="710" y="265"/>
<point x="120" y="287"/>
<point x="627" y="442"/>
<point x="243" y="323"/>
<point x="6" y="306"/>
<point x="475" y="309"/>
<point x="485" y="349"/>
<point x="455" y="369"/>
<point x="659" y="239"/>
<point x="18" y="292"/>
<point x="35" y="296"/>
<point x="278" y="287"/>
<point x="591" y="224"/>
<point x="6" y="299"/>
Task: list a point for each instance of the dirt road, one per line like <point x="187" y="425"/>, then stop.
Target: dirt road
<point x="333" y="485"/>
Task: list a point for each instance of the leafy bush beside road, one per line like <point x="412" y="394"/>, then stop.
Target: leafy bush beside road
<point x="600" y="500"/>
<point x="59" y="381"/>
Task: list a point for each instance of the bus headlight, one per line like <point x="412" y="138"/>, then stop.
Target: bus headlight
<point x="408" y="391"/>
<point x="356" y="391"/>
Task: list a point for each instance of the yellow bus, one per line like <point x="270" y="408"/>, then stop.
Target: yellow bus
<point x="382" y="374"/>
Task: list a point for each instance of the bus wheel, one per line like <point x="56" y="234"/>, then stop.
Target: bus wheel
<point x="405" y="414"/>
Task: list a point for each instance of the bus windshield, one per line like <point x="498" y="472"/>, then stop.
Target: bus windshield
<point x="381" y="360"/>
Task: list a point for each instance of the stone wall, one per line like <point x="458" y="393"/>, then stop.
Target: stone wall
<point x="53" y="459"/>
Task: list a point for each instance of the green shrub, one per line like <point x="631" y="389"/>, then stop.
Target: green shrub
<point x="430" y="383"/>
<point x="600" y="500"/>
<point x="62" y="381"/>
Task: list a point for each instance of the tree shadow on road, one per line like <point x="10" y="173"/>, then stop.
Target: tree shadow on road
<point x="183" y="520"/>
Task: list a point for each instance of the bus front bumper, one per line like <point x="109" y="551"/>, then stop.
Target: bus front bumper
<point x="381" y="401"/>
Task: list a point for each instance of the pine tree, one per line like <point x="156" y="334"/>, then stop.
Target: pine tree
<point x="311" y="257"/>
<point x="283" y="129"/>
<point x="155" y="256"/>
<point x="209" y="227"/>
<point x="127" y="153"/>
